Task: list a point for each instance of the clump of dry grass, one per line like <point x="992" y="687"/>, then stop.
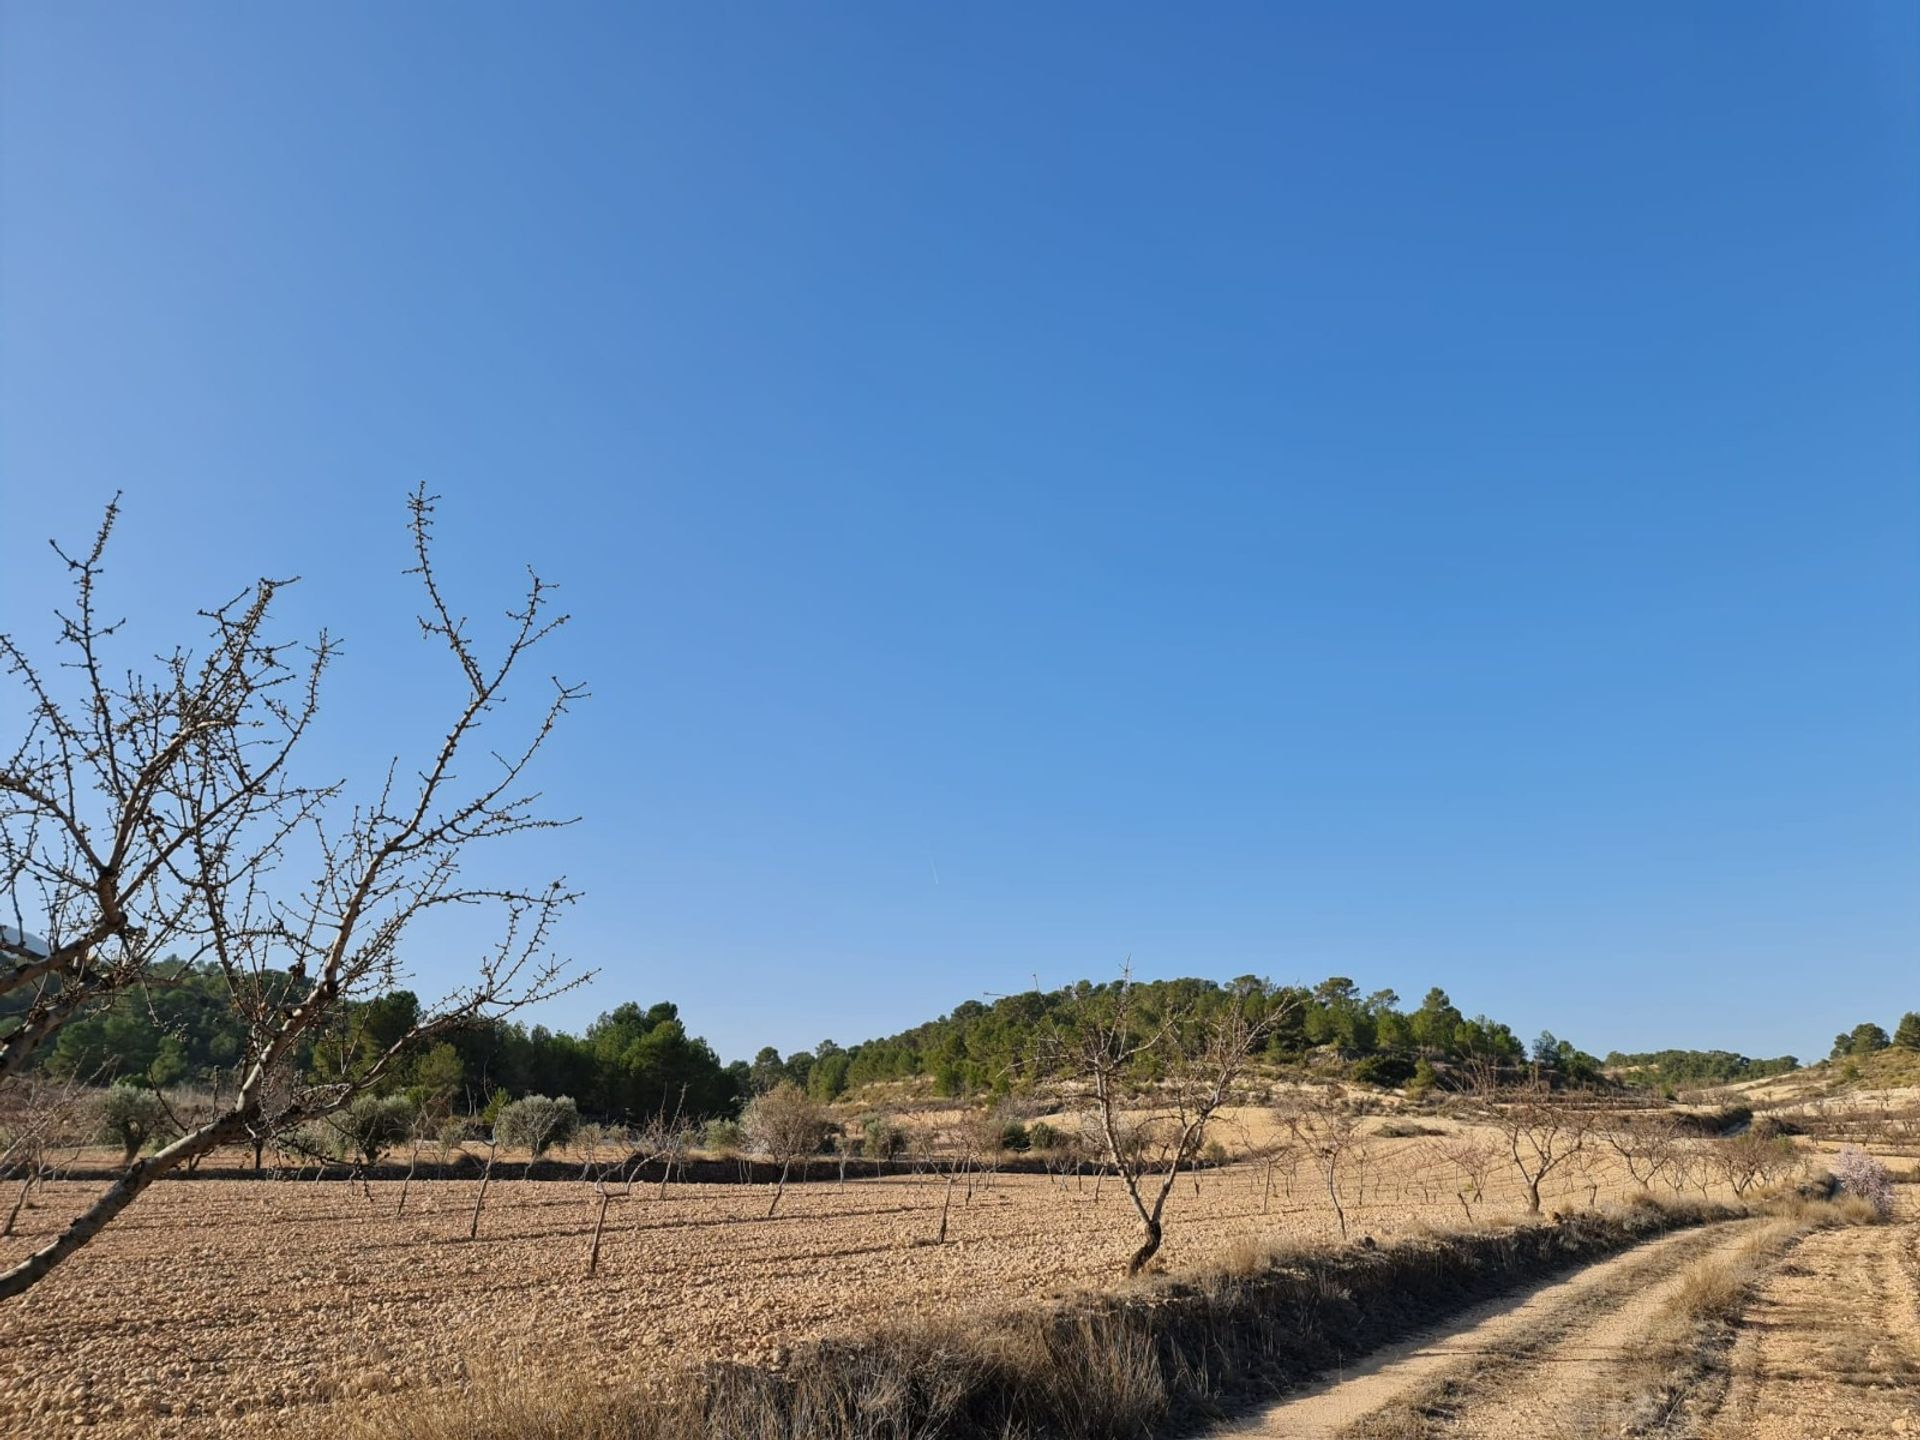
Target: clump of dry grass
<point x="1253" y="1255"/>
<point x="1682" y="1361"/>
<point x="1127" y="1363"/>
<point x="1813" y="1212"/>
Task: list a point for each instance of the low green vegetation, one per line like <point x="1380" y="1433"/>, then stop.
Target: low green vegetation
<point x="537" y="1123"/>
<point x="131" y="1117"/>
<point x="1677" y="1069"/>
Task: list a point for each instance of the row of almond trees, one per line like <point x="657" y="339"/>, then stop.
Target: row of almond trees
<point x="1151" y="1091"/>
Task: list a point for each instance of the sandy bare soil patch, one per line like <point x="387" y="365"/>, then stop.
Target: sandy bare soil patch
<point x="212" y="1301"/>
<point x="1831" y="1345"/>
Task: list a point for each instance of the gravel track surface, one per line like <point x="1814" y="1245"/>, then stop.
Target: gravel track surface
<point x="1520" y="1365"/>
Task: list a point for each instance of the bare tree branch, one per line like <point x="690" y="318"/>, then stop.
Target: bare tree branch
<point x="143" y="818"/>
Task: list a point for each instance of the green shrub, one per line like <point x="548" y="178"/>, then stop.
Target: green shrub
<point x="537" y="1123"/>
<point x="880" y="1138"/>
<point x="1387" y="1071"/>
<point x="1043" y="1136"/>
<point x="497" y="1101"/>
<point x="723" y="1137"/>
<point x="318" y="1140"/>
<point x="374" y="1124"/>
<point x="132" y="1117"/>
<point x="1014" y="1137"/>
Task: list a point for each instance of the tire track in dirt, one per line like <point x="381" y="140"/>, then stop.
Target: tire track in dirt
<point x="1530" y="1329"/>
<point x="1831" y="1345"/>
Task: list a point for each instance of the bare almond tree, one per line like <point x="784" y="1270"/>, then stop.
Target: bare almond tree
<point x="1155" y="1082"/>
<point x="977" y="1141"/>
<point x="145" y="816"/>
<point x="1752" y="1159"/>
<point x="666" y="1140"/>
<point x="42" y="1113"/>
<point x="1327" y="1128"/>
<point x="1646" y="1143"/>
<point x="1539" y="1130"/>
<point x="612" y="1177"/>
<point x="1473" y="1155"/>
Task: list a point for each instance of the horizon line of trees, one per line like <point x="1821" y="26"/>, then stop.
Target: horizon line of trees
<point x="1668" y="1069"/>
<point x="989" y="1047"/>
<point x="635" y="1062"/>
<point x="631" y="1063"/>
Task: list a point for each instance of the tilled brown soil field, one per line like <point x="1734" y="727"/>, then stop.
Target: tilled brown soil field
<point x="212" y="1301"/>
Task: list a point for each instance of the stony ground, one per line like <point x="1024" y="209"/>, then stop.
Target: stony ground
<point x="212" y="1302"/>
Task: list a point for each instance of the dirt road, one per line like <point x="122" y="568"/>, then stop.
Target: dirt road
<point x="1540" y="1364"/>
<point x="1829" y="1347"/>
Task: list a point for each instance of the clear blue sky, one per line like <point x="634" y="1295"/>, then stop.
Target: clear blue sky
<point x="1427" y="493"/>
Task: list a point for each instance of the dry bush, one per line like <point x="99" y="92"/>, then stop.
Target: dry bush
<point x="1401" y="1129"/>
<point x="786" y="1126"/>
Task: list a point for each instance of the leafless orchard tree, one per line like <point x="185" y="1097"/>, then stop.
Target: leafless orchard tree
<point x="1279" y="1156"/>
<point x="1061" y="1154"/>
<point x="1539" y="1131"/>
<point x="1588" y="1166"/>
<point x="1647" y="1144"/>
<point x="959" y="1162"/>
<point x="1750" y="1160"/>
<point x="1154" y="1084"/>
<point x="1325" y="1127"/>
<point x="492" y="1140"/>
<point x="666" y="1140"/>
<point x="1473" y="1156"/>
<point x="1689" y="1166"/>
<point x="978" y="1141"/>
<point x="146" y="816"/>
<point x="603" y="1175"/>
<point x="924" y="1150"/>
<point x="43" y="1114"/>
<point x="623" y="1154"/>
